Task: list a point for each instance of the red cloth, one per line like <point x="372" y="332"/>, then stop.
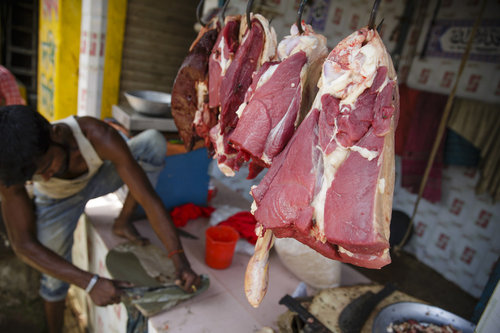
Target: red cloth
<point x="407" y="101"/>
<point x="244" y="223"/>
<point x="9" y="90"/>
<point x="182" y="214"/>
<point x="427" y="113"/>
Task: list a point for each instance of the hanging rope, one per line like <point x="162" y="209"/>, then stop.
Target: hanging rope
<point x="442" y="127"/>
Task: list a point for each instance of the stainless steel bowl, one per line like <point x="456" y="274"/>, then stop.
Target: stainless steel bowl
<point x="148" y="102"/>
<point x="422" y="313"/>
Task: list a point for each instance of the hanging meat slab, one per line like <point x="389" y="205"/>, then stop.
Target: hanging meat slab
<point x="220" y="58"/>
<point x="190" y="89"/>
<point x="332" y="186"/>
<point x="279" y="91"/>
<point x="258" y="45"/>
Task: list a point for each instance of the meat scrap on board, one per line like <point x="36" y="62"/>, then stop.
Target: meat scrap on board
<point x="331" y="188"/>
<point x="280" y="95"/>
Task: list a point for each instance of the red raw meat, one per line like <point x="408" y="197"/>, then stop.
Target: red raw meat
<point x="258" y="45"/>
<point x="190" y="92"/>
<point x="220" y="58"/>
<point x="331" y="187"/>
<point x="278" y="92"/>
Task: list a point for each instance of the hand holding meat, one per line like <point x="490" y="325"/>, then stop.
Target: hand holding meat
<point x="106" y="291"/>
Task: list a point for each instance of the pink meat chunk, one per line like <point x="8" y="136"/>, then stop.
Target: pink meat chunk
<point x="287" y="201"/>
<point x="239" y="75"/>
<point x="349" y="228"/>
<point x="228" y="37"/>
<point x="267" y="122"/>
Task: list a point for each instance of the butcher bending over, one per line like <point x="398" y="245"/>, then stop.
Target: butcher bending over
<point x="70" y="162"/>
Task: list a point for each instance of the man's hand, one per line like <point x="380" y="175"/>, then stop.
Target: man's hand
<point x="107" y="291"/>
<point x="188" y="280"/>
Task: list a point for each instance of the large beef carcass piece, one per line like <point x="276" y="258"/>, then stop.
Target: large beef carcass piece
<point x="221" y="57"/>
<point x="280" y="94"/>
<point x="258" y="46"/>
<point x="331" y="188"/>
<point x="190" y="89"/>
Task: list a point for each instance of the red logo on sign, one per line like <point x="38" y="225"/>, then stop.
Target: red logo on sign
<point x="83" y="46"/>
<point x="447" y="79"/>
<point x="424" y="75"/>
<point x="456" y="206"/>
<point x="483" y="219"/>
<point x="414" y="37"/>
<point x="354" y="21"/>
<point x="468" y="255"/>
<point x="473" y="83"/>
<point x="420" y="229"/>
<point x="337" y="15"/>
<point x="93" y="44"/>
<point x="403" y="72"/>
<point x="442" y="241"/>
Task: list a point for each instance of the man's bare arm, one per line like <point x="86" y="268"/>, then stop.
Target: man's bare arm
<point x="110" y="146"/>
<point x="19" y="216"/>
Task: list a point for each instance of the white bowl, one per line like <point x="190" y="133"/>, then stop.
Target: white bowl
<point x="148" y="102"/>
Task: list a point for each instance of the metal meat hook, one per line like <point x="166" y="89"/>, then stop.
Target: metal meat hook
<point x="199" y="9"/>
<point x="373" y="15"/>
<point x="222" y="14"/>
<point x="249" y="9"/>
<point x="299" y="16"/>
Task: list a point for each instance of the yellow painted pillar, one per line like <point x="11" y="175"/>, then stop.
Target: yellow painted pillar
<point x="59" y="42"/>
<point x="117" y="12"/>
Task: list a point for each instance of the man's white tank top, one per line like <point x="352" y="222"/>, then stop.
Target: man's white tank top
<point x="58" y="188"/>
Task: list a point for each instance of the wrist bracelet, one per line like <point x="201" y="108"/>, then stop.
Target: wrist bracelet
<point x="92" y="283"/>
<point x="175" y="252"/>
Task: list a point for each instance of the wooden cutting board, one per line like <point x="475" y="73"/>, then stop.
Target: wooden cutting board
<point x="329" y="303"/>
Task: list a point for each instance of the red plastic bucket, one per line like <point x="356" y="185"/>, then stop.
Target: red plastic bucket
<point x="220" y="244"/>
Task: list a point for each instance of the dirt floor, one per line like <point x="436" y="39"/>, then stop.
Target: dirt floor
<point x="419" y="280"/>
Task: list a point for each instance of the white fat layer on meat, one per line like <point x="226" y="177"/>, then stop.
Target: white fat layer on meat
<point x="201" y="92"/>
<point x="219" y="148"/>
<point x="368" y="154"/>
<point x="258" y="230"/>
<point x="253" y="207"/>
<point x="348" y="84"/>
<point x="266" y="76"/>
<point x="242" y="107"/>
<point x="293" y="44"/>
<point x="224" y="63"/>
<point x="198" y="117"/>
<point x="314" y="45"/>
<point x="331" y="163"/>
<point x="370" y="258"/>
<point x="270" y="40"/>
<point x="226" y="170"/>
<point x="381" y="185"/>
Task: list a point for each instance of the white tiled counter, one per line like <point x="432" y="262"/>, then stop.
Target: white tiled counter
<point x="221" y="308"/>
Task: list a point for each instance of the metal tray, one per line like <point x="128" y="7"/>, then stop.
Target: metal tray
<point x="423" y="313"/>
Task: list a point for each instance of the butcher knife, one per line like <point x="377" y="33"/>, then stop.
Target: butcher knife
<point x="354" y="315"/>
<point x="184" y="233"/>
<point x="311" y="323"/>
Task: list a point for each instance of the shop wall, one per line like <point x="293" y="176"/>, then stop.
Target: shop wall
<point x="157" y="38"/>
<point x="59" y="37"/>
<point x="458" y="236"/>
<point x="444" y="38"/>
